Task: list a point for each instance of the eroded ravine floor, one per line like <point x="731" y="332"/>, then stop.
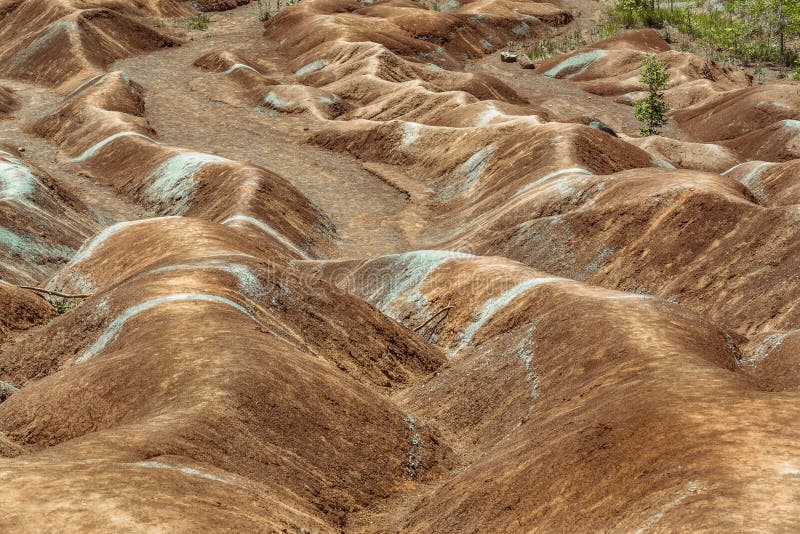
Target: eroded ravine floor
<point x="185" y="109"/>
<point x="106" y="206"/>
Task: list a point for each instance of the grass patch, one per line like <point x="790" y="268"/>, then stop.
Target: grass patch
<point x="199" y="22"/>
<point x="61" y="306"/>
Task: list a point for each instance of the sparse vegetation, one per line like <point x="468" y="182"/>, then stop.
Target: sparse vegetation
<point x="652" y="110"/>
<point x="431" y="5"/>
<point x="62" y="306"/>
<point x="746" y="31"/>
<point x="199" y="22"/>
<point x="265" y="8"/>
<point x="629" y="12"/>
<point x="567" y="42"/>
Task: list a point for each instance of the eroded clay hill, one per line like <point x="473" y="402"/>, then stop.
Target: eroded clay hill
<point x="345" y="271"/>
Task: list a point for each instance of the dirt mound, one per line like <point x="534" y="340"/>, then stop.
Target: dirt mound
<point x="352" y="272"/>
<point x="736" y="113"/>
<point x="104" y="261"/>
<point x="528" y="392"/>
<point x="99" y="107"/>
<point x="255" y="83"/>
<point x="773" y="184"/>
<point x="41" y="225"/>
<point x="359" y="81"/>
<point x="21" y="309"/>
<point x="56" y="42"/>
<point x="684" y="236"/>
<point x="604" y="59"/>
<point x="178" y="246"/>
<point x="410" y="29"/>
<point x="777" y="142"/>
<point x="612" y="68"/>
<point x="774" y="361"/>
<point x="8" y="102"/>
<point x="707" y="157"/>
<point x="480" y="167"/>
<point x="312" y="429"/>
<point x="103" y="125"/>
<point x="382" y="61"/>
<point x="251" y="73"/>
<point x="757" y="123"/>
<point x="145" y="8"/>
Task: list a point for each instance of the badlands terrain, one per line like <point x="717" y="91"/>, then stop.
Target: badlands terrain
<point x="346" y="271"/>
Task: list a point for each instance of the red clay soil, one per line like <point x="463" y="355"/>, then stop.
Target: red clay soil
<point x="708" y="157"/>
<point x="779" y="372"/>
<point x="682" y="236"/>
<point x="103" y="125"/>
<point x="56" y="41"/>
<point x="773" y="184"/>
<point x="538" y="361"/>
<point x="611" y="68"/>
<point x="758" y="123"/>
<point x="280" y="394"/>
<point x="41" y="225"/>
<point x="345" y="271"/>
<point x="736" y="113"/>
<point x="21" y="309"/>
<point x="634" y="44"/>
<point x="8" y="102"/>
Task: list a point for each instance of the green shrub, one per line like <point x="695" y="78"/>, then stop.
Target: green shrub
<point x="629" y="12"/>
<point x="62" y="306"/>
<point x="609" y="30"/>
<point x="652" y="110"/>
<point x="199" y="22"/>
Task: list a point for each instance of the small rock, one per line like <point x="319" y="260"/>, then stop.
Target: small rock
<point x="603" y="127"/>
<point x="525" y="62"/>
<point x="508" y="57"/>
<point x="21" y="149"/>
